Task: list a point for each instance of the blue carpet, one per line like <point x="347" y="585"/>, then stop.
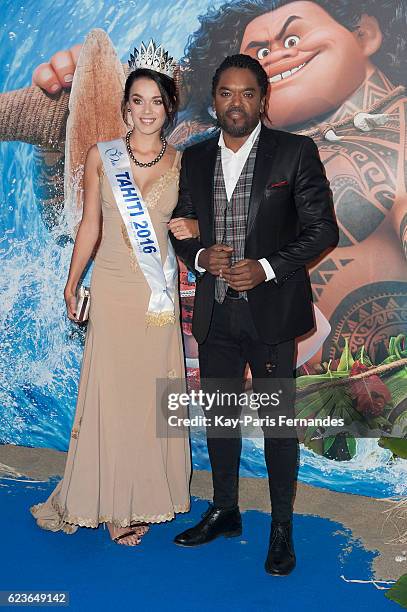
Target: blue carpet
<point x="225" y="575"/>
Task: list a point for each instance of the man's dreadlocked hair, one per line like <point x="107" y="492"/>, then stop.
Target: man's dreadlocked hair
<point x="221" y="33"/>
<point x="242" y="61"/>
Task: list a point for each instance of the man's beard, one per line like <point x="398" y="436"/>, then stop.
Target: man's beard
<point x="237" y="131"/>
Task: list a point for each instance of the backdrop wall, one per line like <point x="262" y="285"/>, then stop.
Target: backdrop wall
<point x="343" y="84"/>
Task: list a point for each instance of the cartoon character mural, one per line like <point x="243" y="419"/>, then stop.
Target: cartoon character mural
<point x="337" y="73"/>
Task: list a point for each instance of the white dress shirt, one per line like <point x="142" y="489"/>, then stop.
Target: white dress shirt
<point x="232" y="166"/>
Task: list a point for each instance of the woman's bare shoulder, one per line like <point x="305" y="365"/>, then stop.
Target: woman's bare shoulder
<point x="171" y="152"/>
<point x="93" y="159"/>
<point x="93" y="152"/>
<point x="175" y="156"/>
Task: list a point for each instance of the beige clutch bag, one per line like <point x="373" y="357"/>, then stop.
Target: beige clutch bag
<point x="82" y="304"/>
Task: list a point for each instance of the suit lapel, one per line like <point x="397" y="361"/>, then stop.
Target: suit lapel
<point x="206" y="172"/>
<point x="266" y="149"/>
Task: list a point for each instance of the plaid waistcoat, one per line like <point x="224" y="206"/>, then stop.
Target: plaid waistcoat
<point x="231" y="217"/>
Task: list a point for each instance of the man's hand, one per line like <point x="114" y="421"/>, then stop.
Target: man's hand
<point x="215" y="258"/>
<point x="244" y="274"/>
<point x="58" y="73"/>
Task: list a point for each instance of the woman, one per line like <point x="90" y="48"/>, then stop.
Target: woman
<point x="119" y="471"/>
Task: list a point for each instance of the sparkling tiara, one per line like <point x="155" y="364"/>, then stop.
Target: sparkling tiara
<point x="152" y="57"/>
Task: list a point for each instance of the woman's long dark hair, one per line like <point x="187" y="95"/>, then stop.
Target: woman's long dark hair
<point x="167" y="88"/>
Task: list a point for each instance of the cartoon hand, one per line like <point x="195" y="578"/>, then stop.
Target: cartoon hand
<point x="58" y="73"/>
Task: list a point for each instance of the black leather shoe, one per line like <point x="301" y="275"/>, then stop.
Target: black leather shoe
<point x="215" y="522"/>
<point x="281" y="557"/>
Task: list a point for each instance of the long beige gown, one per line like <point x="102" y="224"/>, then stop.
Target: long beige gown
<point x="118" y="469"/>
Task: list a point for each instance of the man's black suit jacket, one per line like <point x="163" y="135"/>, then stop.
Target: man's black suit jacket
<point x="290" y="222"/>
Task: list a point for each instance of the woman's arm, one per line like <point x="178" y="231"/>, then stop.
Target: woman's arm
<point x="89" y="229"/>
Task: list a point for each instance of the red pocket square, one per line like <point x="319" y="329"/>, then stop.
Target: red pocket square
<point x="279" y="184"/>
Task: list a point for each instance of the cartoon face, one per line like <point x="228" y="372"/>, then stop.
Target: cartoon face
<point x="313" y="62"/>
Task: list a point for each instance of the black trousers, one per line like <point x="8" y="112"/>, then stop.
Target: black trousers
<point x="233" y="342"/>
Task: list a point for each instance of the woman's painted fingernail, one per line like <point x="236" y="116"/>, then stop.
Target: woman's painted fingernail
<point x="68" y="78"/>
<point x="54" y="88"/>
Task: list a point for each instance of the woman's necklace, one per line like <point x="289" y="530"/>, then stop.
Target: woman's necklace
<point x="148" y="164"/>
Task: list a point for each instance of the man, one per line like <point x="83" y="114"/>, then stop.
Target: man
<point x="265" y="211"/>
